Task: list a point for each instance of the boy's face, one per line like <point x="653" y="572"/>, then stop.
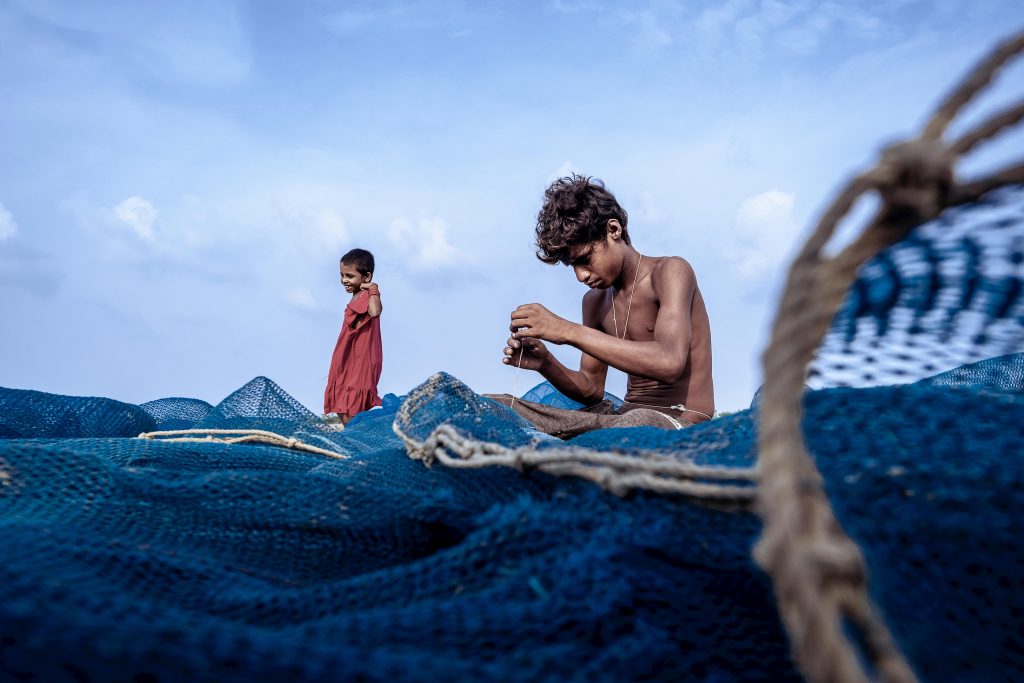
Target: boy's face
<point x="593" y="264"/>
<point x="351" y="278"/>
<point x="598" y="264"/>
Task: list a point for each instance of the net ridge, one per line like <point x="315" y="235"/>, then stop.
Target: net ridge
<point x="26" y="413"/>
<point x="177" y="412"/>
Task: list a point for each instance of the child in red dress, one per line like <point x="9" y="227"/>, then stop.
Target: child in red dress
<point x="358" y="356"/>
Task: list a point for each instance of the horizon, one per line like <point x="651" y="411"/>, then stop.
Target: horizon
<point x="179" y="182"/>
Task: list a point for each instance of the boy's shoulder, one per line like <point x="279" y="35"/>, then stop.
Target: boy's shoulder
<point x="594" y="297"/>
<point x="672" y="267"/>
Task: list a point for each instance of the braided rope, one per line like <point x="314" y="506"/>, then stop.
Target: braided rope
<point x="236" y="436"/>
<point x="616" y="472"/>
<point x="818" y="572"/>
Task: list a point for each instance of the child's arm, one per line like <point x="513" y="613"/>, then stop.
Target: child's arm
<point x="374" y="306"/>
<point x="663" y="360"/>
<point x="585" y="385"/>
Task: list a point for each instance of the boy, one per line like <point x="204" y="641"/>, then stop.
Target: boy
<point x="643" y="314"/>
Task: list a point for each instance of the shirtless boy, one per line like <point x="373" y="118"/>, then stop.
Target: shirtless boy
<point x="643" y="314"/>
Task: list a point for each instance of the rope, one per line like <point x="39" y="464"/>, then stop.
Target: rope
<point x="240" y="436"/>
<point x="615" y="472"/>
<point x="818" y="572"/>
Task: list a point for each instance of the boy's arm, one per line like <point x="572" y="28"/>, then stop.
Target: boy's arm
<point x="373" y="306"/>
<point x="585" y="385"/>
<point x="663" y="360"/>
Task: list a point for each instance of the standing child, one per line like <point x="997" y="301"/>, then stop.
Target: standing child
<point x="358" y="356"/>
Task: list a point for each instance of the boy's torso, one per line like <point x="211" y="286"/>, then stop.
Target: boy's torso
<point x="694" y="389"/>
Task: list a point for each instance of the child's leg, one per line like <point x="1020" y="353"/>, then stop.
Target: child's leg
<point x="345" y="418"/>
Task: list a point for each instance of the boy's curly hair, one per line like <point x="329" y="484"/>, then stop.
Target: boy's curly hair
<point x="576" y="211"/>
<point x="361" y="259"/>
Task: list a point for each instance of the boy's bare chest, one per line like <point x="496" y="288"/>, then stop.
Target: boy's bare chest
<point x="636" y="319"/>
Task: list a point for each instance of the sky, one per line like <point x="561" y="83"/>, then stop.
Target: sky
<point x="178" y="180"/>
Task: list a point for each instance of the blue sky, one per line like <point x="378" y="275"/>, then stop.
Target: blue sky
<point x="178" y="180"/>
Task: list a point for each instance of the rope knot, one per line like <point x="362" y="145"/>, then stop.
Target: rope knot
<point x="915" y="179"/>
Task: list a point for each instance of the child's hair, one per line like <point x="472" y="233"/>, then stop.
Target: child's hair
<point x="576" y="211"/>
<point x="361" y="259"/>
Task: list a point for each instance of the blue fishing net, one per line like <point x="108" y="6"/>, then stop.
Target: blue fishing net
<point x="548" y="395"/>
<point x="127" y="559"/>
<point x="950" y="294"/>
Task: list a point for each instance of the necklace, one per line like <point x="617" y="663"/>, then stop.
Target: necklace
<point x="625" y="326"/>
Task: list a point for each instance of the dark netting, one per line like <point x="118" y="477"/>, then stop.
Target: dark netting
<point x="389" y="405"/>
<point x="177" y="413"/>
<point x="125" y="559"/>
<point x="28" y="414"/>
<point x="260" y="404"/>
<point x="1002" y="375"/>
<point x="951" y="293"/>
<point x="547" y="394"/>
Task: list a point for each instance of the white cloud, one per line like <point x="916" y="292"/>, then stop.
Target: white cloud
<point x="425" y="244"/>
<point x="140" y="215"/>
<point x="7" y="225"/>
<point x="763" y="234"/>
<point x="301" y="298"/>
<point x="749" y="30"/>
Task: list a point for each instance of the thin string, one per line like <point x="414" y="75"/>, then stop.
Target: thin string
<point x="515" y="380"/>
<point x="625" y="327"/>
<point x="679" y="406"/>
<point x="629" y="306"/>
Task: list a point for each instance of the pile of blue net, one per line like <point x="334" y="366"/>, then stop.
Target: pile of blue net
<point x="125" y="559"/>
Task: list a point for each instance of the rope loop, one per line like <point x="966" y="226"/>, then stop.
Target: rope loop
<point x="818" y="572"/>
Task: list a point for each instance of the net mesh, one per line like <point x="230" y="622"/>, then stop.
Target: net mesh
<point x="546" y="394"/>
<point x="124" y="558"/>
<point x="947" y="295"/>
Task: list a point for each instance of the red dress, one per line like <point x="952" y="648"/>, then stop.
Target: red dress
<point x="357" y="361"/>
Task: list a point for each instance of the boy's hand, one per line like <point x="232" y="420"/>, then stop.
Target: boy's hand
<point x="372" y="287"/>
<point x="535" y="354"/>
<point x="533" y="320"/>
